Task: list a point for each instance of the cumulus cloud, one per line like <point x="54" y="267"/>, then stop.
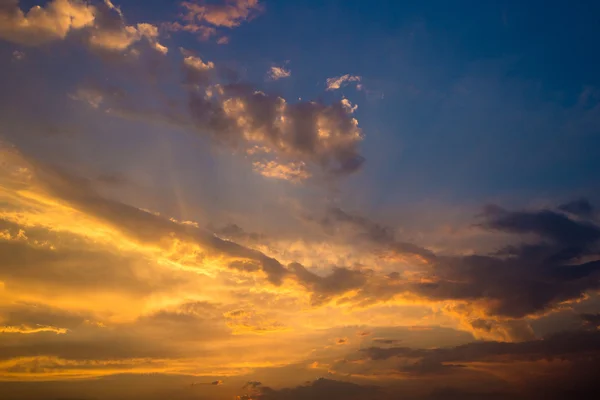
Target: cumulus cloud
<point x="43" y="24"/>
<point x="338" y="82"/>
<point x="110" y="32"/>
<point x="309" y="133"/>
<point x="104" y="25"/>
<point x="276" y="73"/>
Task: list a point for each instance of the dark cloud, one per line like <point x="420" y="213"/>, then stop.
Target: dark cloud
<point x="526" y="278"/>
<point x="515" y="281"/>
<point x="323" y="389"/>
<point x="571" y="345"/>
<point x="386" y="341"/>
<point x="580" y="207"/>
<point x="338" y="282"/>
<point x="591" y="321"/>
<point x="373" y="232"/>
<point x="251" y="385"/>
<point x="545" y="223"/>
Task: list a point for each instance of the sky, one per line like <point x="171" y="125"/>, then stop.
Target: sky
<point x="278" y="199"/>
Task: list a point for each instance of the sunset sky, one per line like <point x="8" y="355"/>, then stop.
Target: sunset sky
<point x="298" y="200"/>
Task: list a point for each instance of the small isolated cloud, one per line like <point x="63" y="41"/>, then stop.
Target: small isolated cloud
<point x="27" y="330"/>
<point x="276" y="73"/>
<point x="223" y="40"/>
<point x="251" y="385"/>
<point x="203" y="19"/>
<point x="18" y="56"/>
<point x="338" y="82"/>
<point x="213" y="383"/>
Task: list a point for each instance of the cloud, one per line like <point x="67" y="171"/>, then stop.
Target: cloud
<point x="276" y="73"/>
<point x="340" y="281"/>
<point x="197" y="72"/>
<point x="110" y="31"/>
<point x="591" y="321"/>
<point x="138" y="225"/>
<point x="545" y="223"/>
<point x="229" y="15"/>
<point x="26" y="329"/>
<point x="322" y="389"/>
<point x="18" y="56"/>
<point x="104" y="25"/>
<point x="43" y="24"/>
<point x="338" y="82"/>
<point x="204" y="18"/>
<point x="566" y="345"/>
<point x="370" y="231"/>
<point x="309" y="133"/>
<point x="580" y="207"/>
<point x="294" y="171"/>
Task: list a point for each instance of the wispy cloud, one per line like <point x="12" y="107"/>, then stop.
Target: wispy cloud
<point x="338" y="82"/>
<point x="204" y="19"/>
